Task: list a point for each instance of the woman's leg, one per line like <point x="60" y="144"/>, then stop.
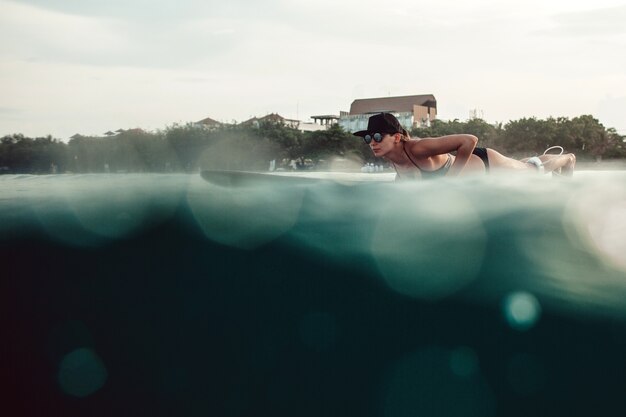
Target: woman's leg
<point x="498" y="161"/>
<point x="563" y="164"/>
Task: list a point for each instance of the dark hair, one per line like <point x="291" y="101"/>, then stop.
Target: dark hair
<point x="405" y="135"/>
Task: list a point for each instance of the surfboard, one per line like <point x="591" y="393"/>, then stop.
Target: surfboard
<point x="226" y="178"/>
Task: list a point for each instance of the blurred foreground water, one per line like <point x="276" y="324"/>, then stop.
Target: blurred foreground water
<point x="165" y="295"/>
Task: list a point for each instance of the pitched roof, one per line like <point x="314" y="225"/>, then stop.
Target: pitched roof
<point x="209" y="122"/>
<point x="249" y="121"/>
<point x="392" y="104"/>
<point x="272" y="117"/>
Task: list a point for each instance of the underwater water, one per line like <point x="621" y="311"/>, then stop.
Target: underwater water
<point x="165" y="295"/>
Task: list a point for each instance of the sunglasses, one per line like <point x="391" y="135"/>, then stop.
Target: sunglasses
<point x="378" y="137"/>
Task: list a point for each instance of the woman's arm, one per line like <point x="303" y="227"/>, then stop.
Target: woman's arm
<point x="463" y="145"/>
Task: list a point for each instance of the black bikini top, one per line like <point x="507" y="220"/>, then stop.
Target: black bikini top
<point x="439" y="172"/>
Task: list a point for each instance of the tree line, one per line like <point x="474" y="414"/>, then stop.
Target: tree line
<point x="188" y="147"/>
<point x="583" y="135"/>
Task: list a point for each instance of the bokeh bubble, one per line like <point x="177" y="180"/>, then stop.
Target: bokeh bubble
<point x="428" y="248"/>
<point x="572" y="246"/>
<point x="521" y="310"/>
<point x="244" y="217"/>
<point x="599" y="213"/>
<point x="463" y="361"/>
<point x="81" y="373"/>
<point x="126" y="205"/>
<point x="89" y="210"/>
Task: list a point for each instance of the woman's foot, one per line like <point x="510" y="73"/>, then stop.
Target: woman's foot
<point x="559" y="165"/>
<point x="567" y="170"/>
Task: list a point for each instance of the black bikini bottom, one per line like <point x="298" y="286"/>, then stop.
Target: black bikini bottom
<point x="482" y="154"/>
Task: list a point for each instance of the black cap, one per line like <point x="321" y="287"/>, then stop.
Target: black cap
<point x="381" y="123"/>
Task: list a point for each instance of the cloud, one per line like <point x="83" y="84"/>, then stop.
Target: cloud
<point x="252" y="37"/>
<point x="140" y="62"/>
<point x="9" y="111"/>
<point x="42" y="35"/>
<point x="598" y="22"/>
<point x="9" y="115"/>
<point x="35" y="34"/>
<point x="164" y="12"/>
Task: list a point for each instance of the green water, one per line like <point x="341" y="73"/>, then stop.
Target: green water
<point x="167" y="295"/>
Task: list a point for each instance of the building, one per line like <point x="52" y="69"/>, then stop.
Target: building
<point x="311" y="127"/>
<point x="326" y="119"/>
<point x="271" y="118"/>
<point x="208" y="123"/>
<point x="322" y="122"/>
<point x="411" y="111"/>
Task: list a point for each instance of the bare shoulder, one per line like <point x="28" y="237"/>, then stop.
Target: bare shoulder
<point x="427" y="147"/>
<point x="417" y="146"/>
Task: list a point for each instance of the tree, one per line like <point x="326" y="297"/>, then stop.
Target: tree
<point x="186" y="144"/>
<point x="592" y="135"/>
<point x="334" y="141"/>
<point x="528" y="135"/>
<point x="287" y="139"/>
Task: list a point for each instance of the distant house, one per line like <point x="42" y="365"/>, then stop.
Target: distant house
<point x="271" y="118"/>
<point x="411" y="111"/>
<point x="250" y="122"/>
<point x="136" y="130"/>
<point x="208" y="123"/>
<point x="109" y="133"/>
<point x="321" y="122"/>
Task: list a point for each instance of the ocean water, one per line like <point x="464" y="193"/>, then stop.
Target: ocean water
<point x="166" y="295"/>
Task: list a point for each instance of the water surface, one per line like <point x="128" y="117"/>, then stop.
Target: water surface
<point x="167" y="295"/>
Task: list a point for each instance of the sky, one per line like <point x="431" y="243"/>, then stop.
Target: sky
<point x="90" y="66"/>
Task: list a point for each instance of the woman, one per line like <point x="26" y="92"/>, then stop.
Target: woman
<point x="429" y="158"/>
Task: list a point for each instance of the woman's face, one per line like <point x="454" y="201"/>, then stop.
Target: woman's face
<point x="382" y="148"/>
